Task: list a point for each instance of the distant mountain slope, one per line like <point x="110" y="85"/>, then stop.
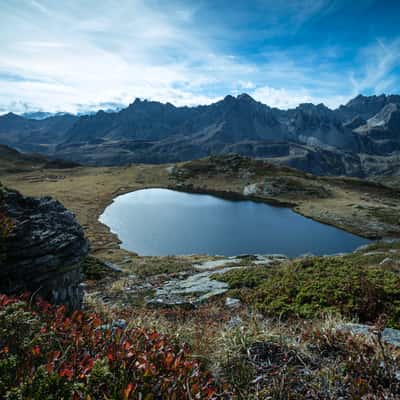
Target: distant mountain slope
<point x="365" y="106"/>
<point x="318" y="125"/>
<point x="12" y="160"/>
<point x="233" y="120"/>
<point x="228" y="121"/>
<point x="311" y="137"/>
<point x="33" y="134"/>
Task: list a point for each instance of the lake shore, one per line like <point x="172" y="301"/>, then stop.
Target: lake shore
<point x="164" y="222"/>
<point x="359" y="207"/>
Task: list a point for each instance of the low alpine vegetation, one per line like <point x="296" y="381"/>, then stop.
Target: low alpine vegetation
<point x="307" y="361"/>
<point x="315" y="286"/>
<point x="47" y="354"/>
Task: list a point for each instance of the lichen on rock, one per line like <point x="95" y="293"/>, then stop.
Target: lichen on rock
<point x="44" y="250"/>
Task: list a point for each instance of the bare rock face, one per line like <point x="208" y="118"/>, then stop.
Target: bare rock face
<point x="44" y="252"/>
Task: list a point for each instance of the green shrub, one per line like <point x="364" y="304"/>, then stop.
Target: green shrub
<point x="330" y="285"/>
<point x="243" y="277"/>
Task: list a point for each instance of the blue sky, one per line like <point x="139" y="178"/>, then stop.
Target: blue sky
<point x="78" y="55"/>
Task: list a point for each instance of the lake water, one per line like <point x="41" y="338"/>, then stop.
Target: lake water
<point x="166" y="222"/>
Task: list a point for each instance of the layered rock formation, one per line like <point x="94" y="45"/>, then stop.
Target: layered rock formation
<point x="44" y="251"/>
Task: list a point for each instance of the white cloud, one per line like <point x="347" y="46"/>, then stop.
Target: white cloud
<point x="246" y="85"/>
<point x="143" y="53"/>
<point x="280" y="98"/>
<point x="285" y="99"/>
<point x="60" y="56"/>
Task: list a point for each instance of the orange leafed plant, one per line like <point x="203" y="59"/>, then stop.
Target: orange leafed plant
<point x="46" y="352"/>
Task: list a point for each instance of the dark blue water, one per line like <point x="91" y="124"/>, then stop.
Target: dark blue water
<point x="166" y="222"/>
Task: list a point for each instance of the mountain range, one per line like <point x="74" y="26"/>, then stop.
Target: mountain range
<point x="360" y="138"/>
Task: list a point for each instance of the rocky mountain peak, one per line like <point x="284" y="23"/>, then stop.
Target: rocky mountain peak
<point x="245" y="97"/>
<point x="363" y="106"/>
<point x="364" y="100"/>
<point x="12" y="116"/>
<point x="228" y="99"/>
<point x="314" y="109"/>
<point x="101" y="113"/>
<point x="137" y="102"/>
<point x="241" y="98"/>
<point x="387" y="117"/>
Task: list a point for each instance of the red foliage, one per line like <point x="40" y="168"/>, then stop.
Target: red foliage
<point x="140" y="362"/>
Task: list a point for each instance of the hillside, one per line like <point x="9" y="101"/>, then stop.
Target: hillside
<point x="33" y="135"/>
<point x="12" y="161"/>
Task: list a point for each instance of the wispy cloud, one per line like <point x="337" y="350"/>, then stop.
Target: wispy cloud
<point x="380" y="61"/>
<point x="40" y="7"/>
<point x="62" y="56"/>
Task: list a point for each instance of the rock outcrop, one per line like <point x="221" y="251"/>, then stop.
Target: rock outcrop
<point x="199" y="287"/>
<point x="44" y="251"/>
